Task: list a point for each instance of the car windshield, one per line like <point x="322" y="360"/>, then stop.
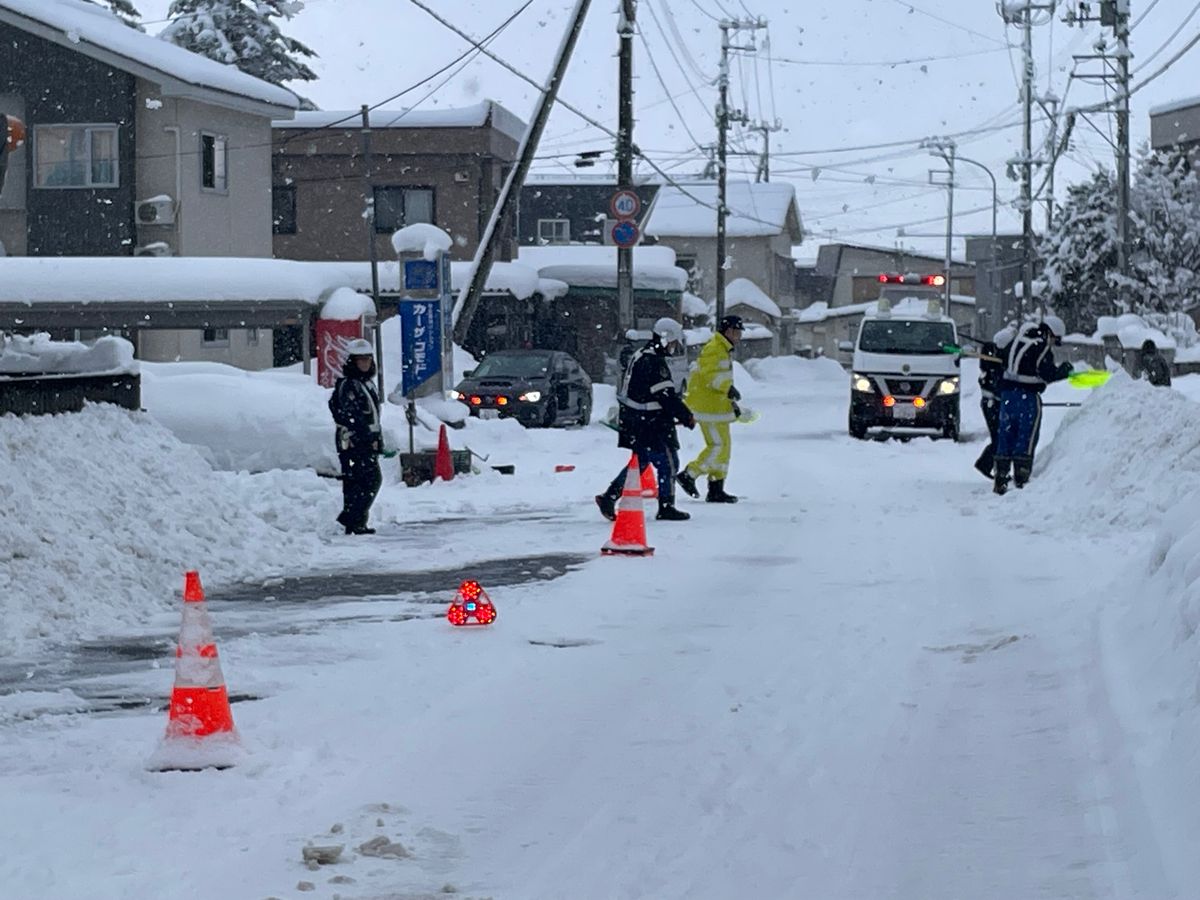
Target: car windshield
<point x="905" y="336"/>
<point x="513" y="365"/>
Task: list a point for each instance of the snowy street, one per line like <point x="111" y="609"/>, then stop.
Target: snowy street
<point x="871" y="678"/>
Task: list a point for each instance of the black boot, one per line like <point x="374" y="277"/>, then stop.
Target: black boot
<point x="1021" y="475"/>
<point x="984" y="467"/>
<point x="688" y="483"/>
<point x="608" y="506"/>
<point x="716" y="492"/>
<point x="667" y="512"/>
<point x="1000" y="484"/>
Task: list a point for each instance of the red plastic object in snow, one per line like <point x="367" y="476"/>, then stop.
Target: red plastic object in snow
<point x="471" y="606"/>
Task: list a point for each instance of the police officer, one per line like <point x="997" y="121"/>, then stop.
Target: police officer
<point x="713" y="399"/>
<point x="355" y="407"/>
<point x="991" y="371"/>
<point x="1029" y="367"/>
<point x="649" y="408"/>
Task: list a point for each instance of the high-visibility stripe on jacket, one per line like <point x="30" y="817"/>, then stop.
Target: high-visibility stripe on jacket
<point x="710" y="381"/>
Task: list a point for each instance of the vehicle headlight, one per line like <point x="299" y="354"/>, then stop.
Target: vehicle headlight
<point x="531" y="396"/>
<point x="861" y="383"/>
<point x="948" y="386"/>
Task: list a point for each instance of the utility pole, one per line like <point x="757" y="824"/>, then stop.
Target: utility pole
<point x="725" y="117"/>
<point x="625" y="24"/>
<point x="764" y="160"/>
<point x="372" y="253"/>
<point x="946" y="148"/>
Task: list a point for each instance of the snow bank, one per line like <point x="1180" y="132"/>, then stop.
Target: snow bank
<point x="422" y="238"/>
<point x="104" y="511"/>
<point x="791" y="370"/>
<point x="35" y="354"/>
<point x="1123" y="458"/>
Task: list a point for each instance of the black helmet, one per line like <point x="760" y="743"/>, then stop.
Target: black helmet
<point x="734" y="322"/>
<point x="1148" y="346"/>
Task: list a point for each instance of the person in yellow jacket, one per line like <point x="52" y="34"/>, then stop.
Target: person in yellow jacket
<point x="712" y="398"/>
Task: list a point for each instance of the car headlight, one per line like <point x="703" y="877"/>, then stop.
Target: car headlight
<point x="531" y="396"/>
<point x="861" y="383"/>
<point x="948" y="386"/>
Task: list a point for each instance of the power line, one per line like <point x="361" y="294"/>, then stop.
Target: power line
<point x="887" y="62"/>
<point x="945" y="21"/>
<point x="1166" y="43"/>
<point x="667" y="90"/>
<point x="1145" y="12"/>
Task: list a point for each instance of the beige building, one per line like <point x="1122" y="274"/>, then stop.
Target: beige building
<point x="442" y="167"/>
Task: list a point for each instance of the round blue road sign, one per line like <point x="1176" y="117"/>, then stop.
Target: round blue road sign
<point x="625" y="234"/>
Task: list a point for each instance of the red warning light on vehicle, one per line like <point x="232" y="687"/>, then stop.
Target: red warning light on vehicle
<point x="471" y="606"/>
<point x="928" y="280"/>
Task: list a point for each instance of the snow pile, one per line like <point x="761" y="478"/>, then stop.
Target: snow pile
<point x="745" y="292"/>
<point x="105" y="510"/>
<point x="422" y="238"/>
<point x="1132" y="330"/>
<point x="1123" y="458"/>
<point x="346" y="305"/>
<point x="39" y="354"/>
<point x="789" y="371"/>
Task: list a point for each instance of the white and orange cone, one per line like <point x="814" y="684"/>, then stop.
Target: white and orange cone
<point x="629" y="530"/>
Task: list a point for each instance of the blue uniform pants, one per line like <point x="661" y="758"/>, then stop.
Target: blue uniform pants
<point x="1020" y="425"/>
<point x="665" y="460"/>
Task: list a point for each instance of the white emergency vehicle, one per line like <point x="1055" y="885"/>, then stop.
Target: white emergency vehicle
<point x="902" y="381"/>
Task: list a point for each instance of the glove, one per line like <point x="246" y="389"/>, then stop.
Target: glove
<point x="737" y="411"/>
<point x="734" y="394"/>
<point x="691" y="422"/>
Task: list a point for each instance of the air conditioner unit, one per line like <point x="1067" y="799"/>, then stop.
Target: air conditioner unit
<point x="462" y="177"/>
<point x="155" y="248"/>
<point x="156" y="211"/>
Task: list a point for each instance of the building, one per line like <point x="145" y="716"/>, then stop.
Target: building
<point x="443" y="167"/>
<point x="1176" y="124"/>
<point x="554" y="210"/>
<point x="762" y="226"/>
<point x="137" y="148"/>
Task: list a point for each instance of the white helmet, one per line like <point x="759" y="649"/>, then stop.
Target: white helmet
<point x="668" y="331"/>
<point x="1056" y="325"/>
<point x="360" y="347"/>
<point x="1004" y="336"/>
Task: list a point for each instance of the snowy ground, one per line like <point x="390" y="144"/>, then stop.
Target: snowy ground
<point x="870" y="679"/>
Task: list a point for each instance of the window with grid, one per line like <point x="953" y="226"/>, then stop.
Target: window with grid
<point x="75" y="156"/>
<point x="396" y="207"/>
<point x="554" y="231"/>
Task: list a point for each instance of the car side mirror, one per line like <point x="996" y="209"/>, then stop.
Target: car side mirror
<point x="468" y="373"/>
<point x="846" y="346"/>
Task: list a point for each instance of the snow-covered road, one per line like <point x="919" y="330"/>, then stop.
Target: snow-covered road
<point x="869" y="679"/>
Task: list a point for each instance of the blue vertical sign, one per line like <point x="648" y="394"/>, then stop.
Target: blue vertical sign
<point x="421" y="339"/>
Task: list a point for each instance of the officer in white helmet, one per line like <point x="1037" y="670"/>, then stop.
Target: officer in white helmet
<point x="649" y="409"/>
<point x="355" y="407"/>
<point x="1029" y="367"/>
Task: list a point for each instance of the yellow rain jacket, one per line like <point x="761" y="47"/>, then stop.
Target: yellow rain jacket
<point x="710" y="380"/>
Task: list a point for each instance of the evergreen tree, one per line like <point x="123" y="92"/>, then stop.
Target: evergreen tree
<point x="123" y="10"/>
<point x="1080" y="251"/>
<point x="243" y="33"/>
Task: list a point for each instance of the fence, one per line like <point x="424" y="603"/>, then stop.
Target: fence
<point x="43" y="395"/>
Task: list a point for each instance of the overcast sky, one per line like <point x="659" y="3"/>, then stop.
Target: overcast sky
<point x="845" y="73"/>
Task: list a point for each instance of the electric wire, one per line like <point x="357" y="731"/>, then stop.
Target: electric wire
<point x="1174" y="34"/>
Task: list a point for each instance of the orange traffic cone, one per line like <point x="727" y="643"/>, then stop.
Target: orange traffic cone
<point x="443" y="465"/>
<point x="629" y="530"/>
<point x="649" y="481"/>
<point x="199" y="710"/>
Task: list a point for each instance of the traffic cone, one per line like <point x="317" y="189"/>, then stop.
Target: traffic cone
<point x="443" y="464"/>
<point x="649" y="482"/>
<point x="200" y="732"/>
<point x="629" y="530"/>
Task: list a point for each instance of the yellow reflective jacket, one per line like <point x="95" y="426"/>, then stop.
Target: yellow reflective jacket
<point x="710" y="380"/>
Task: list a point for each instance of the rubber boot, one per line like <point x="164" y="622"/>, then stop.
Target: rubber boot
<point x="688" y="483"/>
<point x="608" y="506"/>
<point x="668" y="513"/>
<point x="1021" y="474"/>
<point x="716" y="492"/>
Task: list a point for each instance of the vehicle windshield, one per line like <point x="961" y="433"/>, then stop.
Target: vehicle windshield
<point x="515" y="365"/>
<point x="904" y="336"/>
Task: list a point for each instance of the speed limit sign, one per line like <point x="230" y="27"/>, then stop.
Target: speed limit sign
<point x="624" y="205"/>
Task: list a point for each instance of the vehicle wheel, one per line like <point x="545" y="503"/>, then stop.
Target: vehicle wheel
<point x="551" y="416"/>
<point x="858" y="430"/>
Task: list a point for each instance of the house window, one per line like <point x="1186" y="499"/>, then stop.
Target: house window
<point x="213" y="150"/>
<point x="75" y="156"/>
<point x="554" y="231"/>
<point x="283" y="209"/>
<point x="396" y="207"/>
<point x="252" y="337"/>
<point x="215" y="337"/>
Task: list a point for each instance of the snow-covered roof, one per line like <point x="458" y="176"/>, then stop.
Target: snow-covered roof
<point x="594" y="265"/>
<point x="29" y="280"/>
<point x="94" y="31"/>
<point x="38" y="354"/>
<point x="745" y="292"/>
<point x="474" y="116"/>
<point x="819" y="312"/>
<point x="1174" y="106"/>
<point x="755" y="210"/>
<point x="693" y="305"/>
